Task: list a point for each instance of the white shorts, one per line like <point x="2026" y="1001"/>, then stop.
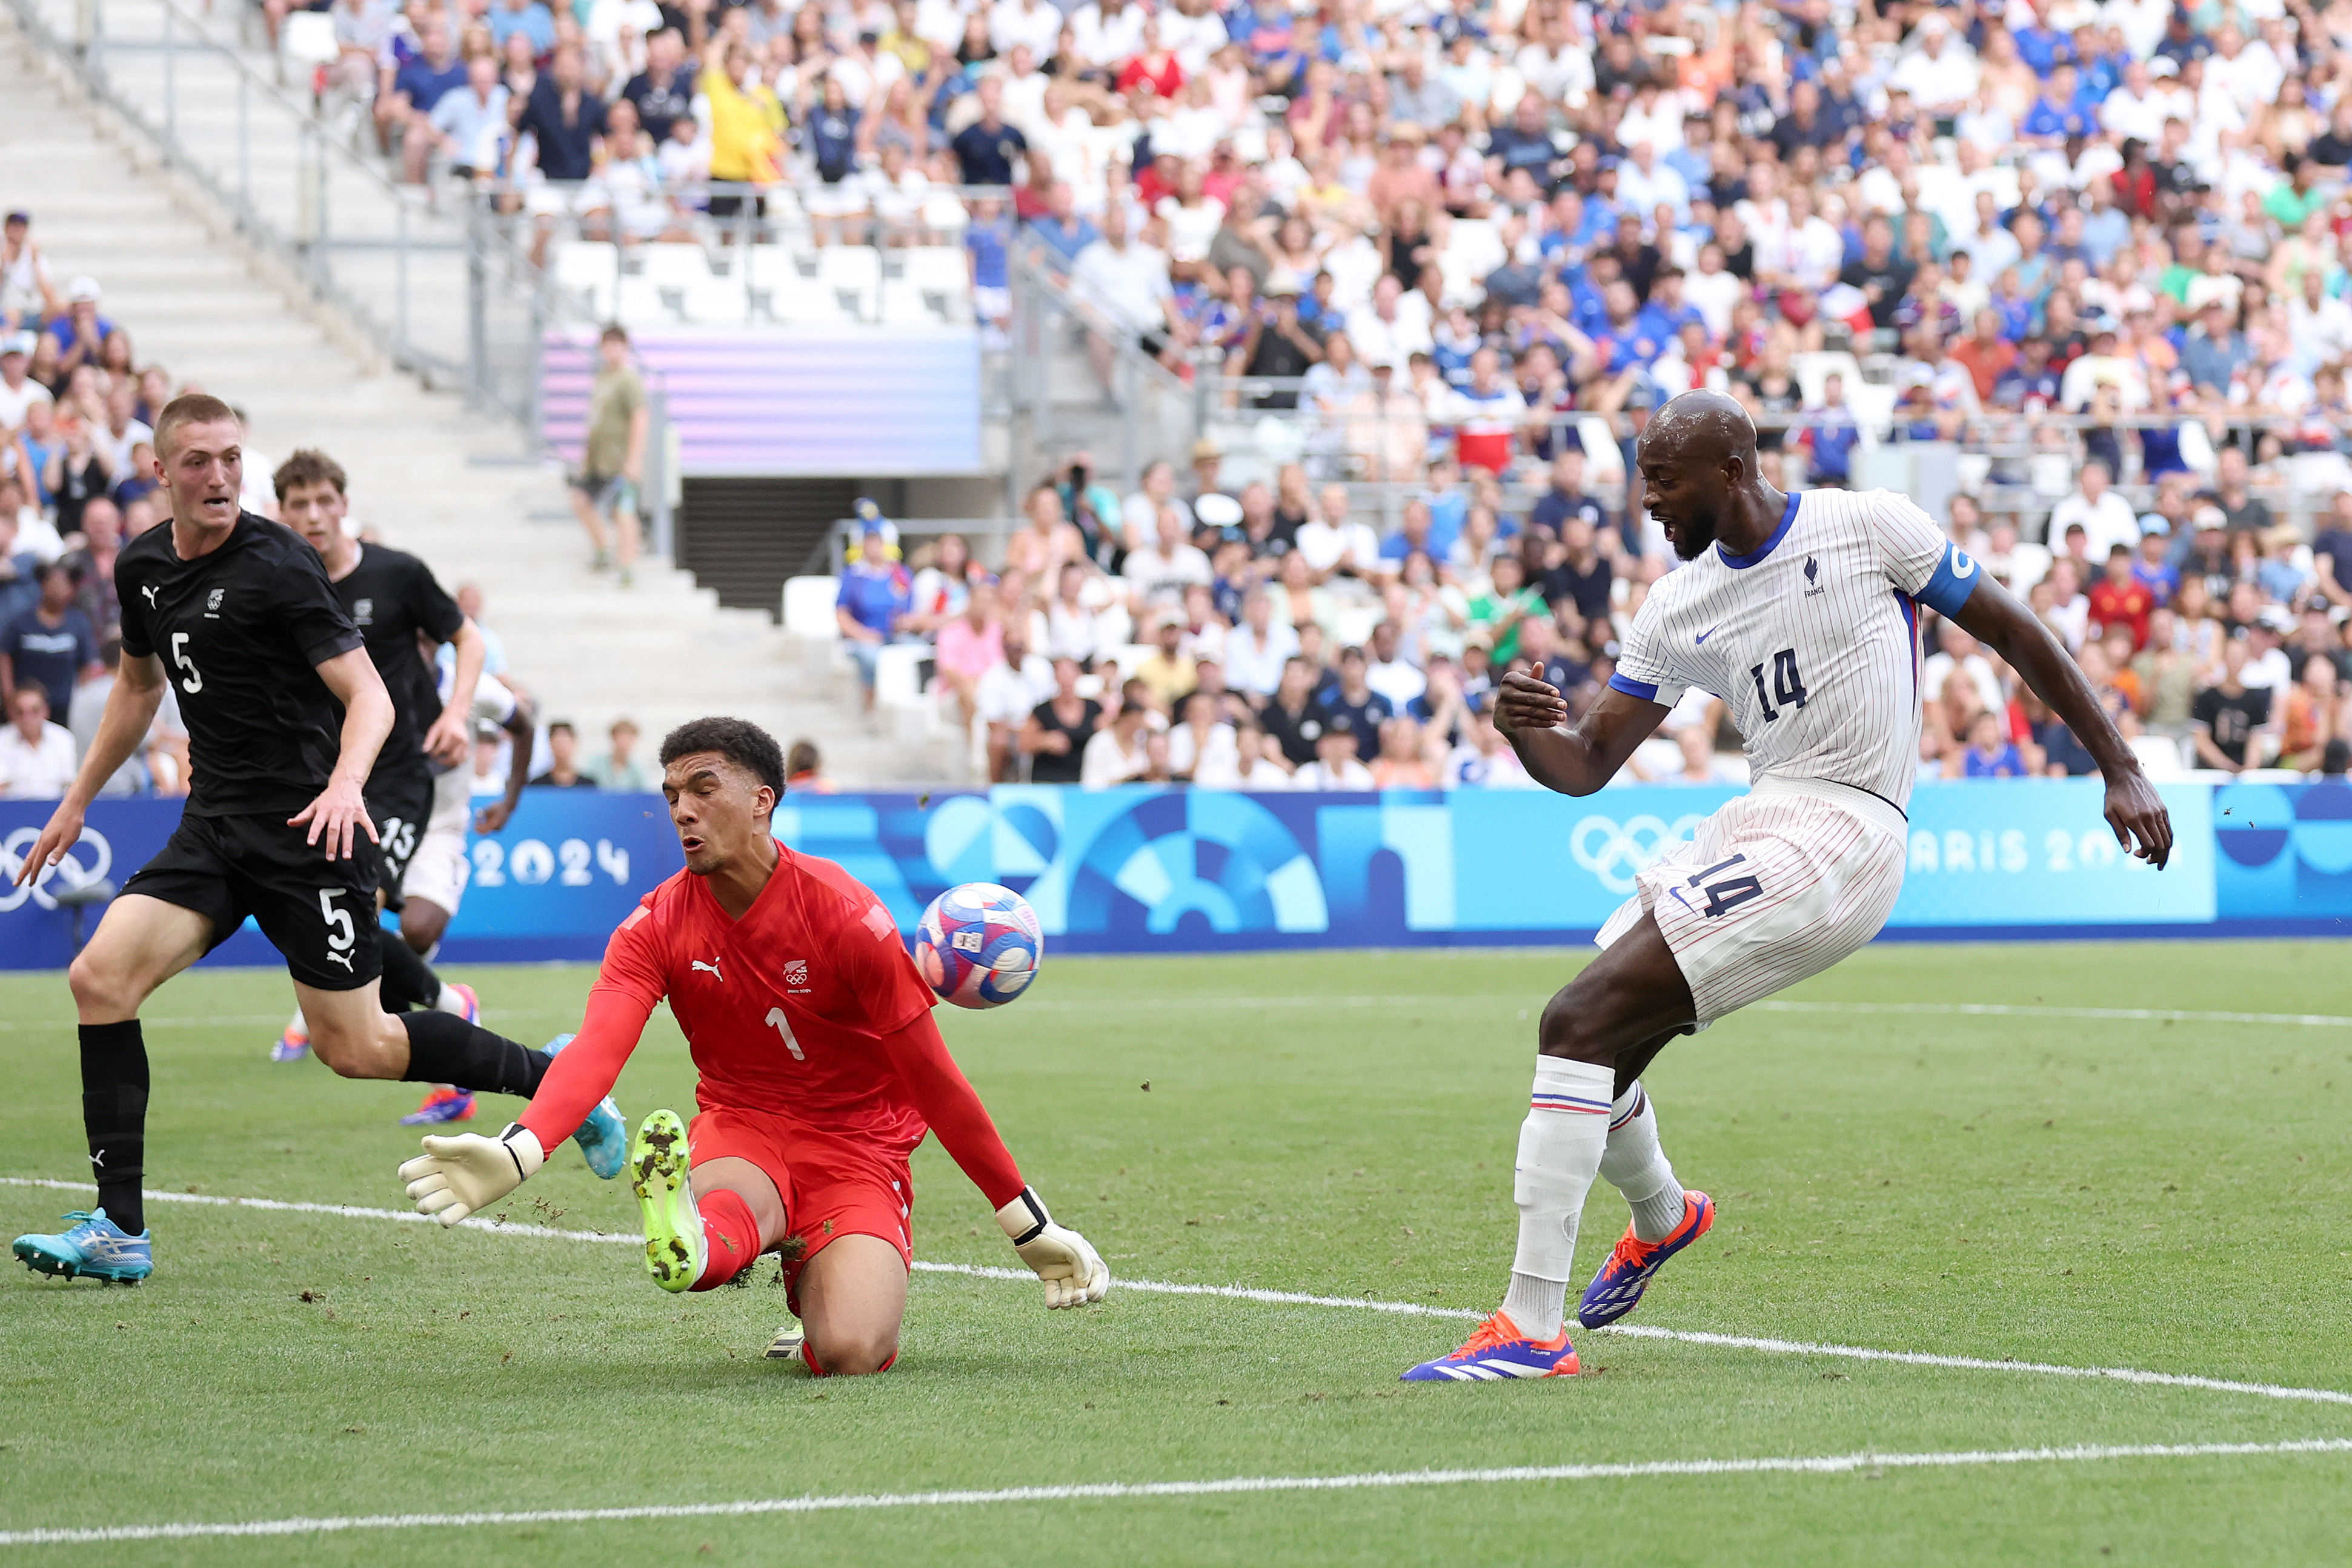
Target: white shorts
<point x="439" y="871"/>
<point x="1776" y="886"/>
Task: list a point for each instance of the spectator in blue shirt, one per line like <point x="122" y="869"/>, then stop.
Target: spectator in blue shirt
<point x="1060" y="230"/>
<point x="1830" y="437"/>
<point x="876" y="594"/>
<point x="2058" y="113"/>
<point x="2215" y="352"/>
<point x="530" y="17"/>
<point x="420" y="84"/>
<point x="1990" y="753"/>
<point x="51" y="646"/>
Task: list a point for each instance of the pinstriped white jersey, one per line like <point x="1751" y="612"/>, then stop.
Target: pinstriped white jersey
<point x="1812" y="641"/>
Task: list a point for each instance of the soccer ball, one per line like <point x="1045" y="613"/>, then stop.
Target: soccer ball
<point x="979" y="944"/>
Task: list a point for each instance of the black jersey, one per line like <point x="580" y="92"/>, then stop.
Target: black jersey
<point x="391" y="597"/>
<point x="241" y="632"/>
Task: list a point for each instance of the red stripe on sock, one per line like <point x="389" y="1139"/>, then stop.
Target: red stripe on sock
<point x="731" y="1237"/>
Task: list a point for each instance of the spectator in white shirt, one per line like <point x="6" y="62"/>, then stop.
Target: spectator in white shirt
<point x="1117" y="753"/>
<point x="1203" y="743"/>
<point x="1940" y="75"/>
<point x="1256" y="649"/>
<point x="1139" y="513"/>
<point x="1008" y="692"/>
<point x="1109" y="33"/>
<point x="1484" y="759"/>
<point x="2106" y="518"/>
<point x="1159" y="574"/>
<point x="1031" y="22"/>
<point x="17" y="390"/>
<point x="1335" y="546"/>
<point x="1387" y="671"/>
<point x="1124" y="282"/>
<point x="2320" y="322"/>
<point x="1336" y="767"/>
<point x="1257" y="764"/>
<point x="37" y="757"/>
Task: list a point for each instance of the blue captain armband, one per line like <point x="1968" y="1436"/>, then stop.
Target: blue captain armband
<point x="1957" y="576"/>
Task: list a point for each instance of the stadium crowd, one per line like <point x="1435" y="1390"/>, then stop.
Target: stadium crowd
<point x="2105" y="242"/>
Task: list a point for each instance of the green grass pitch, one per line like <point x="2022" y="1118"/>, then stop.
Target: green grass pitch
<point x="2085" y="1191"/>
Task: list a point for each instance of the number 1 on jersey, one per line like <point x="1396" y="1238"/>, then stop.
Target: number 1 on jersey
<point x="1788" y="686"/>
<point x="785" y="1028"/>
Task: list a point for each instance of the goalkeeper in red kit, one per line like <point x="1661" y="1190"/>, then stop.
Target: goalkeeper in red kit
<point x="820" y="1069"/>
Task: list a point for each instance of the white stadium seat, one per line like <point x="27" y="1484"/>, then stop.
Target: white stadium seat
<point x="809" y="606"/>
<point x="307" y="38"/>
<point x="897" y="675"/>
<point x="674" y="266"/>
<point x="586" y="268"/>
<point x="853" y="274"/>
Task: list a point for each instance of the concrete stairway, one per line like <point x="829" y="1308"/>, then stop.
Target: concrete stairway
<point x="456" y="487"/>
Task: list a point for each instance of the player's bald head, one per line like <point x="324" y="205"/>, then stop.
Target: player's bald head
<point x="1702" y="426"/>
<point x="1697" y="455"/>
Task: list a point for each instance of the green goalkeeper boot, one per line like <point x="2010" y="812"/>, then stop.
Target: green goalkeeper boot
<point x="657" y="1170"/>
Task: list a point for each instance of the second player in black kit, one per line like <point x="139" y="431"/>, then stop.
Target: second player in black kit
<point x="391" y="597"/>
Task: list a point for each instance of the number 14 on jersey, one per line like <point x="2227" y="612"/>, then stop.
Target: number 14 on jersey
<point x="1788" y="686"/>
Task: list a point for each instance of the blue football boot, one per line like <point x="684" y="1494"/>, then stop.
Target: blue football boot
<point x="604" y="1137"/>
<point x="92" y="1245"/>
<point x="1617" y="1289"/>
<point x="1499" y="1350"/>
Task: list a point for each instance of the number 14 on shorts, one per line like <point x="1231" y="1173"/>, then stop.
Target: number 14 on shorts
<point x="1723" y="892"/>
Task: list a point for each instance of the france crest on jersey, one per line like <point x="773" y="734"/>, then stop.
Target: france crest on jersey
<point x="1812" y="640"/>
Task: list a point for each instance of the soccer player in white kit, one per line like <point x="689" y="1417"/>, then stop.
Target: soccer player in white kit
<point x="1801" y="614"/>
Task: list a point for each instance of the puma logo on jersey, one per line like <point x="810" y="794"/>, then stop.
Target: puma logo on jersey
<point x="712" y="966"/>
<point x="343" y="958"/>
<point x="149" y="589"/>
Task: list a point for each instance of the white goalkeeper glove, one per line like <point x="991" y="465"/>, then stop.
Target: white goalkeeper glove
<point x="1073" y="1273"/>
<point x="458" y="1177"/>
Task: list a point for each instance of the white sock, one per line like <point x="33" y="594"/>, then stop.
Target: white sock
<point x="1637" y="1167"/>
<point x="300" y="1026"/>
<point x="449" y="1001"/>
<point x="1560" y="1145"/>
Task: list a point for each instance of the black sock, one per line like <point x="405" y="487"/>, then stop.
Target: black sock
<point x="445" y="1048"/>
<point x="407" y="982"/>
<point x="114" y="1114"/>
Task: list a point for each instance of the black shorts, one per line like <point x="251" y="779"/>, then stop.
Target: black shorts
<point x="400" y="809"/>
<point x="320" y="913"/>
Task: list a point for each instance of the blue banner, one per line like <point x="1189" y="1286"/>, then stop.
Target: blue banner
<point x="1144" y="870"/>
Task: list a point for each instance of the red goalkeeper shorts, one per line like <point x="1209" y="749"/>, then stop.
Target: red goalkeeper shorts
<point x="833" y="1187"/>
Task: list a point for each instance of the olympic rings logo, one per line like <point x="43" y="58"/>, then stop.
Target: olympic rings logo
<point x="68" y="870"/>
<point x="1617" y="854"/>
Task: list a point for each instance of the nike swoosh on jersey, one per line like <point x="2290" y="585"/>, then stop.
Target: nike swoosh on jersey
<point x="1708" y="633"/>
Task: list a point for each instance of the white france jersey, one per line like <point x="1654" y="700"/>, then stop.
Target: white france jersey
<point x="1812" y="640"/>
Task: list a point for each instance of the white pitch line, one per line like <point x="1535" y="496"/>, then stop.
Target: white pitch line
<point x="1219" y="1004"/>
<point x="273" y="1019"/>
<point x="2007" y="1010"/>
<point x="1821" y="1465"/>
<point x="1928" y="1009"/>
<point x="1295" y="1299"/>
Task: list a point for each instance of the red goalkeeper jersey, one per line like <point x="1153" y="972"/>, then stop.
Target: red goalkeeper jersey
<point x="807" y="1008"/>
